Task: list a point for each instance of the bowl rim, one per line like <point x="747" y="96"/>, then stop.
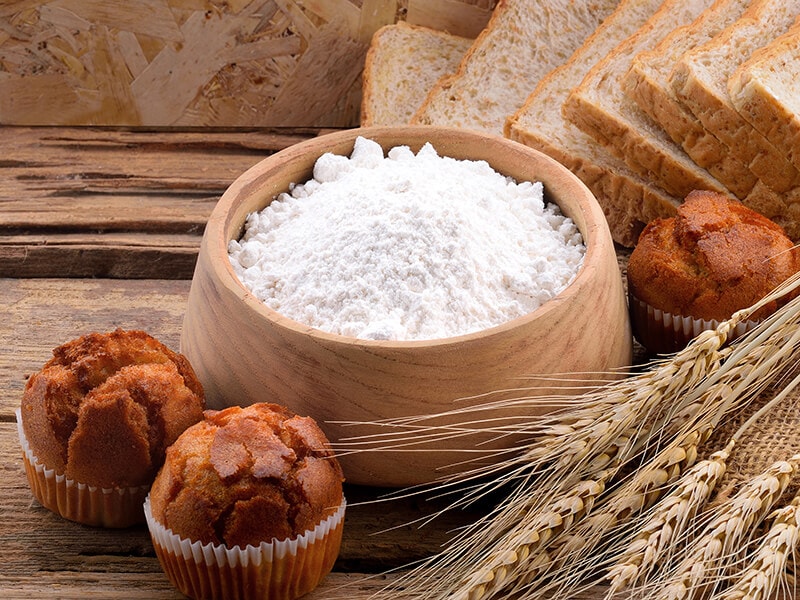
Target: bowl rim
<point x="216" y="238"/>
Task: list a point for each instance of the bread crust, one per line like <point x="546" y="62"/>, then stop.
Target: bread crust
<point x="521" y="43"/>
<point x="762" y="88"/>
<point x="647" y="84"/>
<point x="403" y="61"/>
<point x="599" y="108"/>
<point x="628" y="200"/>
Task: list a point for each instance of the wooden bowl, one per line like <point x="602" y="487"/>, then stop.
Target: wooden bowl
<point x="244" y="352"/>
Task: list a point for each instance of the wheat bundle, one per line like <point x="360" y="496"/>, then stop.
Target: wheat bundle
<point x="610" y="489"/>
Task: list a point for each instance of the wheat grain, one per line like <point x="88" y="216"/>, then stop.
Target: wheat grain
<point x="558" y="464"/>
<point x="766" y="571"/>
<point x="537" y="521"/>
<point x="671" y="517"/>
<point x="648" y="483"/>
<point x="574" y="543"/>
<point x="650" y="479"/>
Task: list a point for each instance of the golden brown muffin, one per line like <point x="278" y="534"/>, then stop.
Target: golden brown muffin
<point x="104" y="409"/>
<point x="256" y="493"/>
<point x="693" y="270"/>
<point x="247" y="475"/>
<point x="714" y="257"/>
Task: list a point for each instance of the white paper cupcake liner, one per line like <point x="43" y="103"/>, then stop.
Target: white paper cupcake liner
<point x="90" y="505"/>
<point x="275" y="570"/>
<point x="663" y="332"/>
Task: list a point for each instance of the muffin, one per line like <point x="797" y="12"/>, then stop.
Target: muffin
<point x="248" y="504"/>
<point x="691" y="271"/>
<point x="96" y="420"/>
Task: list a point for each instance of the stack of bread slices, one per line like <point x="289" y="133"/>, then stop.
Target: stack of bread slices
<point x="644" y="100"/>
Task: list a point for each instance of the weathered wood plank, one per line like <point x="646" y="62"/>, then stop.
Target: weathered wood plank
<point x="76" y="202"/>
<point x="155" y="586"/>
<point x="103" y="255"/>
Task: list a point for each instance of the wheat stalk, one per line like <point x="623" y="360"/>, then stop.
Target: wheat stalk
<point x="537" y="513"/>
<point x="523" y="549"/>
<point x="672" y="516"/>
<point x="571" y="558"/>
<point x="573" y="561"/>
<point x="729" y="529"/>
<point x="625" y="423"/>
<point x="766" y="571"/>
<point x="656" y="538"/>
<point x="584" y="450"/>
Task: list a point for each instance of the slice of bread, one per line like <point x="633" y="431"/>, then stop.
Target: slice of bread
<point x="647" y="84"/>
<point x="765" y="90"/>
<point x="700" y="80"/>
<point x="522" y="42"/>
<point x="599" y="108"/>
<point x="403" y="63"/>
<point x="628" y="200"/>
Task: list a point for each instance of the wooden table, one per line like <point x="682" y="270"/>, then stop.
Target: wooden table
<point x="100" y="229"/>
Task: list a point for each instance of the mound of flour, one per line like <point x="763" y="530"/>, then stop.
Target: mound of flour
<point x="406" y="247"/>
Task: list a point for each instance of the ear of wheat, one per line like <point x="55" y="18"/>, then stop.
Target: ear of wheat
<point x="555" y="466"/>
<point x="765" y="573"/>
<point x="657" y="537"/>
<point x="730" y="527"/>
<point x="671" y="518"/>
<point x="573" y="561"/>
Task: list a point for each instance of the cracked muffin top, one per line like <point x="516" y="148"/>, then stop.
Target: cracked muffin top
<point x="246" y="475"/>
<point x="714" y="257"/>
<point x="104" y="409"/>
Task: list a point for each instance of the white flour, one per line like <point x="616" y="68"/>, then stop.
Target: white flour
<point x="406" y="247"/>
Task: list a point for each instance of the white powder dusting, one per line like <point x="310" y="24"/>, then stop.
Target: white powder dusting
<point x="406" y="247"/>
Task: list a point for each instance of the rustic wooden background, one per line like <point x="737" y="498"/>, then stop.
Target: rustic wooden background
<point x="200" y="63"/>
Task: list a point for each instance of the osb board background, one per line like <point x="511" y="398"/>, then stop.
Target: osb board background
<point x="200" y="63"/>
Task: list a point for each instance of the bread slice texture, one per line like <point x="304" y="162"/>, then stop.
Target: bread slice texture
<point x="599" y="108"/>
<point x="521" y="43"/>
<point x="647" y="84"/>
<point x="628" y="200"/>
<point x="700" y="80"/>
<point x="403" y="63"/>
<point x="765" y="90"/>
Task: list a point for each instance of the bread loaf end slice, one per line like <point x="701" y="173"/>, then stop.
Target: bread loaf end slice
<point x="403" y="63"/>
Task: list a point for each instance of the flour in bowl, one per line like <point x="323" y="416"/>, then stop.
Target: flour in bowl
<point x="407" y="246"/>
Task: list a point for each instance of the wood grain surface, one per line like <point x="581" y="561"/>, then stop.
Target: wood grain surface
<point x="112" y="203"/>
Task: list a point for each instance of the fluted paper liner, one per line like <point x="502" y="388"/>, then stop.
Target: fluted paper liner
<point x="76" y="501"/>
<point x="663" y="332"/>
<point x="274" y="570"/>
